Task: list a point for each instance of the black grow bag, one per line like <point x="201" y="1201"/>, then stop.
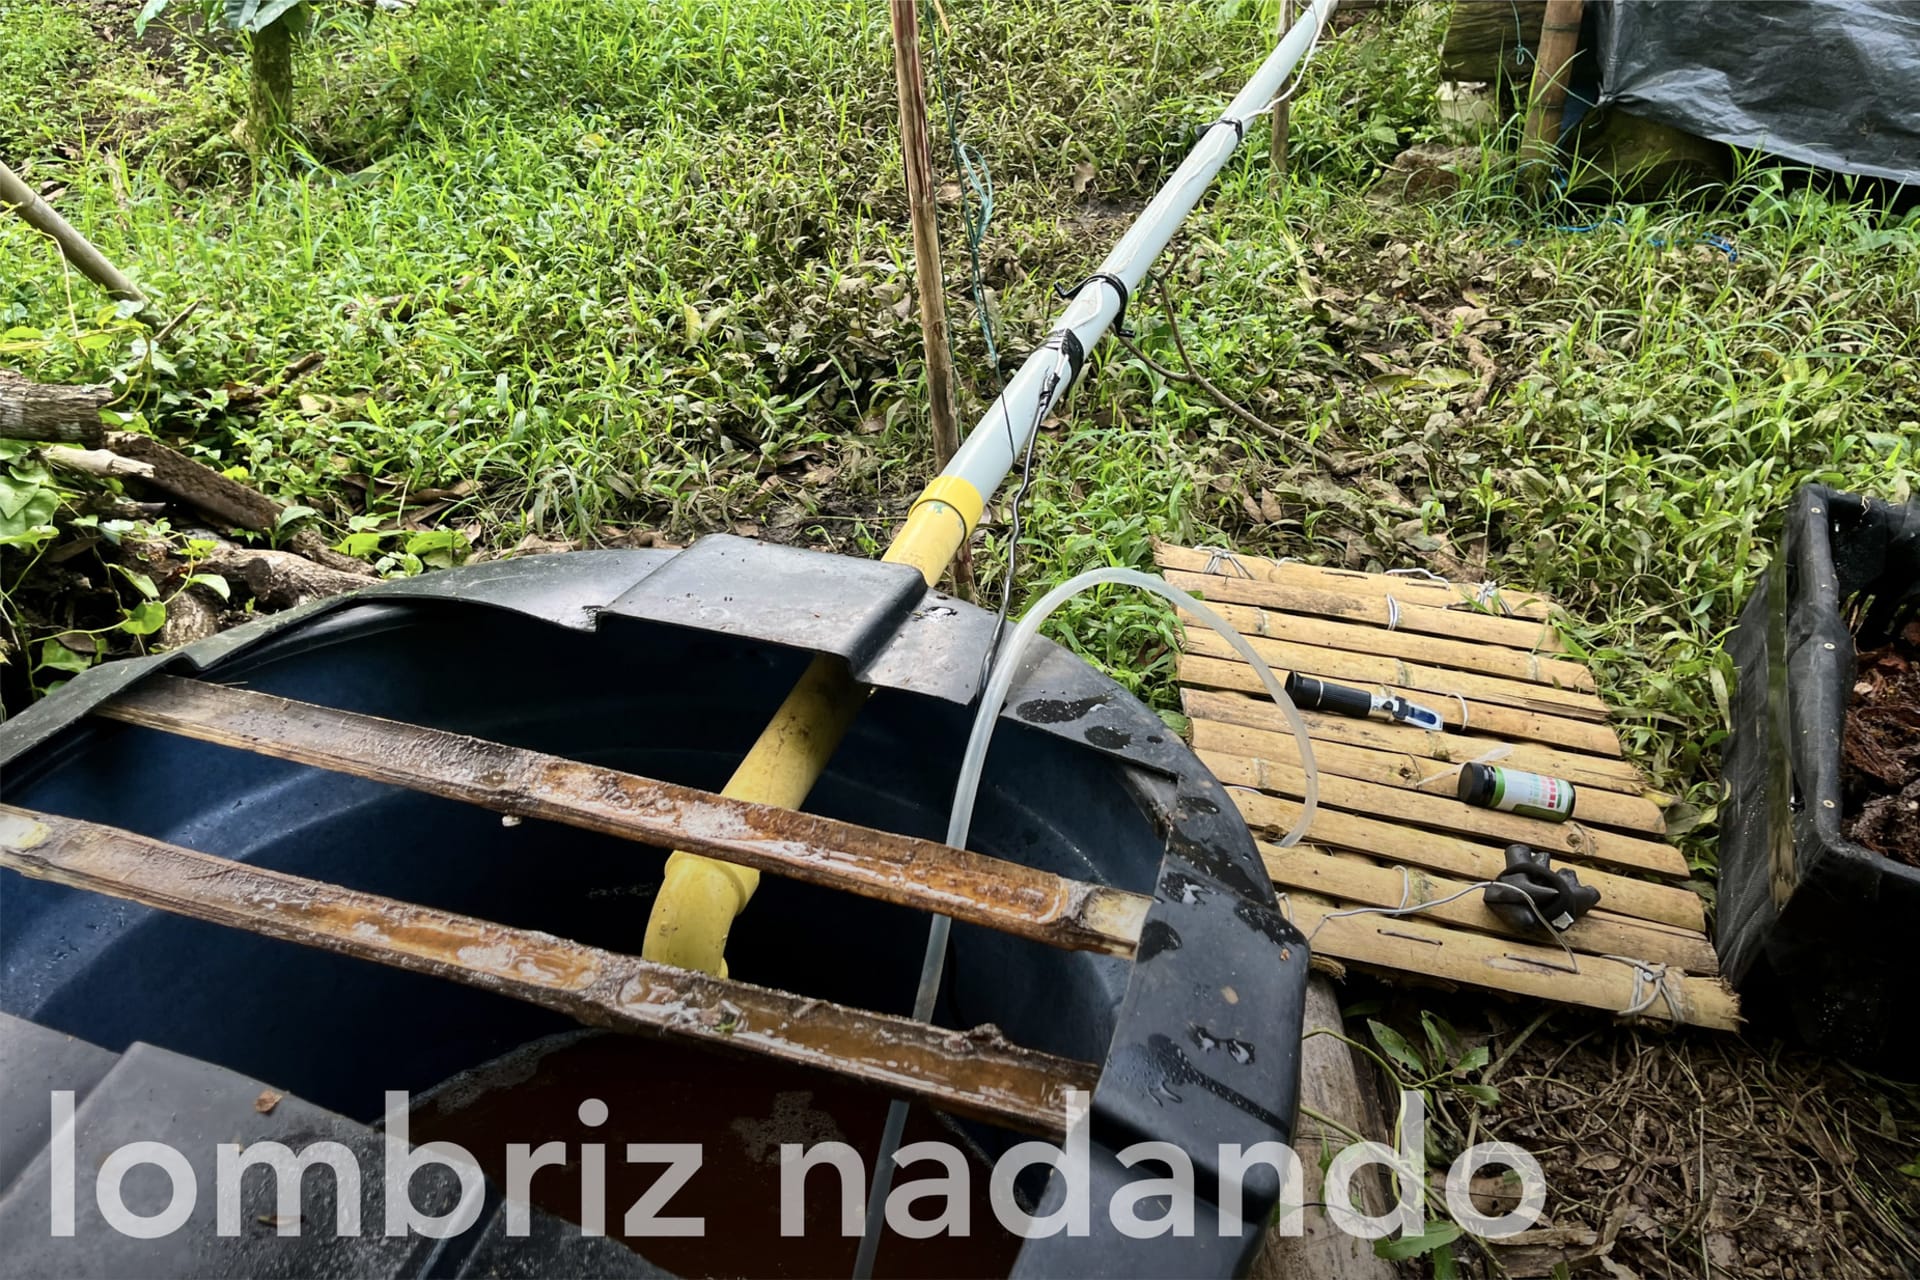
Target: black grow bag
<point x="1813" y="928"/>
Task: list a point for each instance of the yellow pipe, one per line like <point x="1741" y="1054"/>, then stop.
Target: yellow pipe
<point x="699" y="897"/>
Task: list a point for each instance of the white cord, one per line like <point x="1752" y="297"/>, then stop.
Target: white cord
<point x="1006" y="662"/>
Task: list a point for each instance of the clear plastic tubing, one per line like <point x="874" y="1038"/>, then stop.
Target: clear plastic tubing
<point x="967" y="789"/>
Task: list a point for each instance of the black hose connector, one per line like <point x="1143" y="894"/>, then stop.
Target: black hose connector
<point x="1531" y="892"/>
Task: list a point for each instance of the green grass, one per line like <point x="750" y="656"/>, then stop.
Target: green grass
<point x="642" y="262"/>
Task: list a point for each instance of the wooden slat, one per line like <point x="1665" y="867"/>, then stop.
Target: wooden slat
<point x="1352" y="878"/>
<point x="1501" y="964"/>
<point x="974" y="1072"/>
<point x="1435" y="651"/>
<point x="1406" y="588"/>
<point x="1481" y="717"/>
<point x="1468" y="859"/>
<point x="1368" y="671"/>
<point x="1573" y="840"/>
<point x="1388" y="819"/>
<point x="899" y="869"/>
<point x="1258" y="714"/>
<point x="1592" y="806"/>
<point x="1518" y="634"/>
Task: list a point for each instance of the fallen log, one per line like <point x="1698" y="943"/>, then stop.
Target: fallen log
<point x="192" y="614"/>
<point x="225" y="499"/>
<point x="32" y="410"/>
<point x="280" y="579"/>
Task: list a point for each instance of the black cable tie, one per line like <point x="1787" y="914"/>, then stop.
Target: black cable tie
<point x="1239" y="128"/>
<point x="1067" y="342"/>
<point x="1118" y="285"/>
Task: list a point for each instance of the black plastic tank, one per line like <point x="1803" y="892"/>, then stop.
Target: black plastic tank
<point x="1811" y="925"/>
<point x="667" y="664"/>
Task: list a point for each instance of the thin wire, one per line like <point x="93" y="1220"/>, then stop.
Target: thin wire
<point x="1299" y="69"/>
<point x="1047" y="390"/>
<point x="1477" y="886"/>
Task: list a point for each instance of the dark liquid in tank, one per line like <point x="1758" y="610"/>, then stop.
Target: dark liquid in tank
<point x="740" y="1110"/>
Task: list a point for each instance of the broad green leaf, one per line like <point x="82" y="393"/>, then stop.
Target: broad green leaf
<point x="37" y="510"/>
<point x="361" y="544"/>
<point x="15" y="494"/>
<point x="144" y="618"/>
<point x="438" y="548"/>
<point x="1395" y="1046"/>
<point x="270" y="12"/>
<point x="212" y="582"/>
<point x="289" y="514"/>
<point x="141" y="582"/>
<point x="31" y="536"/>
<point x="57" y="656"/>
<point x="1485" y="1094"/>
<point x="1399" y="1249"/>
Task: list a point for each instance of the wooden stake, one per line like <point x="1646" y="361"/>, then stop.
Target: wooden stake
<point x="917" y="153"/>
<point x="74" y="247"/>
<point x="1336" y="1086"/>
<point x="1282" y="114"/>
<point x="1559" y="42"/>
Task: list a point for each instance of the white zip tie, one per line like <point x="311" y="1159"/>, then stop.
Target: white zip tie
<point x="1651" y="982"/>
<point x="1393" y="613"/>
<point x="1428" y="574"/>
<point x="1490" y="595"/>
<point x="1217" y="556"/>
<point x="1465" y="716"/>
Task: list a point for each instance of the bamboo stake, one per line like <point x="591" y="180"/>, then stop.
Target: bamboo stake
<point x="1282" y="112"/>
<point x="917" y="153"/>
<point x="1559" y="42"/>
<point x="74" y="247"/>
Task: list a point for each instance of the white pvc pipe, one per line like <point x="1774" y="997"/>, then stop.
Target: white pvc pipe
<point x="991" y="449"/>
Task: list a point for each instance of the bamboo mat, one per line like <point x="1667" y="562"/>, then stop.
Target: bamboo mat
<point x="1389" y="832"/>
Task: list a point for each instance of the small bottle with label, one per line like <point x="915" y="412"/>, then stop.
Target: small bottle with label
<point x="1532" y="795"/>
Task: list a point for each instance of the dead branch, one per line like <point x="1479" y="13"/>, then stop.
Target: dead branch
<point x="94" y="462"/>
<point x="74" y="247"/>
<point x="225" y="499"/>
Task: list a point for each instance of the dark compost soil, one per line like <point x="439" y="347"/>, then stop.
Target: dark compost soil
<point x="1880" y="754"/>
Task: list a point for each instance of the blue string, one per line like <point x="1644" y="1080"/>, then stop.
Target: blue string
<point x="1708" y="238"/>
<point x="976" y="198"/>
